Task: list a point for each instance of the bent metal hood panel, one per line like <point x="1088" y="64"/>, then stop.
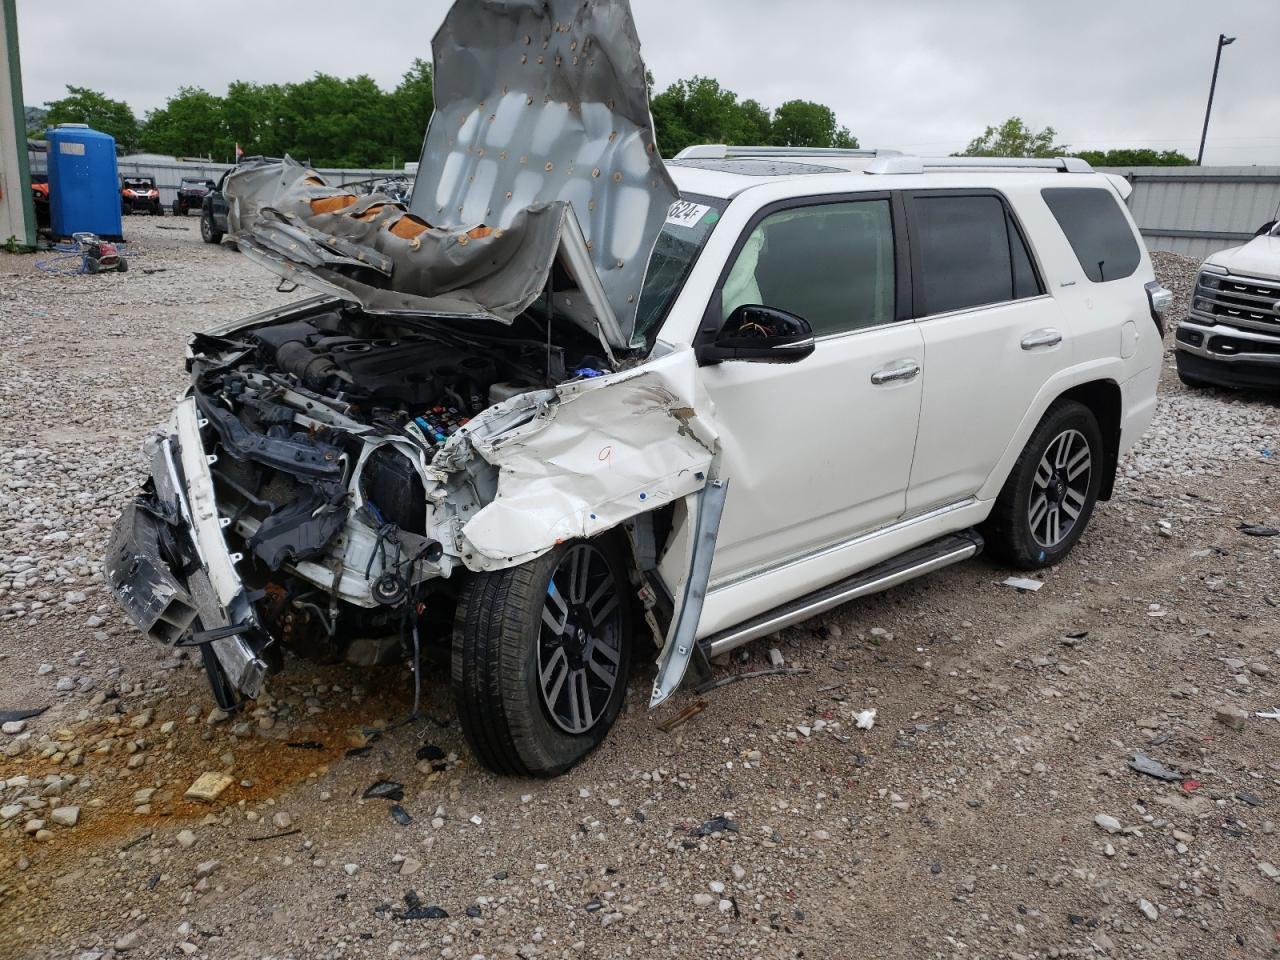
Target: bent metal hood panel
<point x="541" y="148"/>
<point x="539" y="101"/>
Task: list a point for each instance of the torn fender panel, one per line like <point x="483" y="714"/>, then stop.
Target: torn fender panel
<point x="539" y="101"/>
<point x="587" y="456"/>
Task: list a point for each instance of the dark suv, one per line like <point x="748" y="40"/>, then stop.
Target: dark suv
<point x="191" y="194"/>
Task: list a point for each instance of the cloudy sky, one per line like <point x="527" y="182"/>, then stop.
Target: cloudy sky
<point x="925" y="75"/>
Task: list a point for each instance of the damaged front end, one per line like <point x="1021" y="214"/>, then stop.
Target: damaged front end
<point x="333" y="474"/>
<point x="468" y="394"/>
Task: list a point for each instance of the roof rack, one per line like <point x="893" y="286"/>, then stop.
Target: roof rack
<point x="720" y="151"/>
<point x="909" y="164"/>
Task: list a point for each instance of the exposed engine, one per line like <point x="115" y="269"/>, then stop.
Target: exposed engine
<point x="334" y="413"/>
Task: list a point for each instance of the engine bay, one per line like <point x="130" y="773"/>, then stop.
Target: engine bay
<point x="323" y="426"/>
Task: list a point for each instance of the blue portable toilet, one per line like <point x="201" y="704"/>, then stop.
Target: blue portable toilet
<point x="84" y="182"/>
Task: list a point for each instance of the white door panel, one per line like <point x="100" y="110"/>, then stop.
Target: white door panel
<point x="985" y="368"/>
<point x="817" y="452"/>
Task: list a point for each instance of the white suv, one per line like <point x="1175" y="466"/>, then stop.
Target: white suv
<point x="1231" y="337"/>
<point x="572" y="396"/>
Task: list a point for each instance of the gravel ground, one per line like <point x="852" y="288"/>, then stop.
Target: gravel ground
<point x="990" y="812"/>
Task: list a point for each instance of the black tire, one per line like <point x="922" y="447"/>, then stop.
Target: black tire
<point x="124" y="265"/>
<point x="500" y="640"/>
<point x="208" y="232"/>
<point x="1031" y="540"/>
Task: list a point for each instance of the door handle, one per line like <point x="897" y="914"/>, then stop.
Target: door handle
<point x="1048" y="337"/>
<point x="897" y="371"/>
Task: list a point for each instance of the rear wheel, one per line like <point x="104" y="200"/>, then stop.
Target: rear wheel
<point x="1049" y="497"/>
<point x="541" y="654"/>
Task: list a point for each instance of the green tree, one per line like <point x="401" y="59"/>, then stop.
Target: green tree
<point x="411" y="106"/>
<point x="82" y="105"/>
<point x="254" y="117"/>
<point x="1141" y="157"/>
<point x="803" y="123"/>
<point x="190" y="124"/>
<point x="699" y="110"/>
<point x="333" y="122"/>
<point x="1013" y="138"/>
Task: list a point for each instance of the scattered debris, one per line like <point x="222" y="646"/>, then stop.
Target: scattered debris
<point x="866" y="719"/>
<point x="306" y="745"/>
<point x="208" y="787"/>
<point x="430" y="752"/>
<point x="1273" y="715"/>
<point x="9" y="716"/>
<point x="748" y="675"/>
<point x="1190" y="786"/>
<point x="775" y="657"/>
<point x="400" y="815"/>
<point x="1252" y="799"/>
<point x="684" y="716"/>
<point x="1026" y="584"/>
<point x="1152" y="768"/>
<point x="385" y="790"/>
<point x="1254" y="530"/>
<point x="416" y="910"/>
<point x="135" y="841"/>
<point x="274" y="836"/>
<point x="715" y="825"/>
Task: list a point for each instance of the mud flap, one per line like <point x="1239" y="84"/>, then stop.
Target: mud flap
<point x="682" y="637"/>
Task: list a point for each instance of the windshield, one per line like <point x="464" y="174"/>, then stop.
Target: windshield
<point x="689" y="224"/>
<point x="135" y="184"/>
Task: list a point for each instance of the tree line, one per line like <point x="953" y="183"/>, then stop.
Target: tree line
<point x="330" y="121"/>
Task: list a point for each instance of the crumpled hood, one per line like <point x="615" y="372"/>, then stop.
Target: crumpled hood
<point x="541" y="149"/>
<point x="1260" y="257"/>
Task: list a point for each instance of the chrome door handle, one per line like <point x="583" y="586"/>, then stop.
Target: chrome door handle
<point x="896" y="371"/>
<point x="1047" y="337"/>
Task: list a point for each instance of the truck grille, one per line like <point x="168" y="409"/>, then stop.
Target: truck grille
<point x="1239" y="301"/>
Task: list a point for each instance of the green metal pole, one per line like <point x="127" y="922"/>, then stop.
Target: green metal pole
<point x="19" y="117"/>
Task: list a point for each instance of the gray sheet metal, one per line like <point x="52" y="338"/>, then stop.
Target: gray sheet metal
<point x="541" y="146"/>
<point x="542" y="101"/>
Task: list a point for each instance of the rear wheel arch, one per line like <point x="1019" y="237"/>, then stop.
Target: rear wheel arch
<point x="1105" y="400"/>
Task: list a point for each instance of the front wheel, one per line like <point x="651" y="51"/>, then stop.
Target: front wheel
<point x="208" y="232"/>
<point x="541" y="654"/>
<point x="1049" y="497"/>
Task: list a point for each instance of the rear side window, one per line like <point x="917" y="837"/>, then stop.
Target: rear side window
<point x="1096" y="229"/>
<point x="970" y="253"/>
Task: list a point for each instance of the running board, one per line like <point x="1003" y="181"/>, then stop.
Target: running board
<point x="905" y="566"/>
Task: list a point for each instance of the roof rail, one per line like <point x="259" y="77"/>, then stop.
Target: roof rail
<point x="909" y="164"/>
<point x="720" y="151"/>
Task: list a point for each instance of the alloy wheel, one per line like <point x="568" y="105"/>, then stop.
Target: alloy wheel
<point x="1060" y="489"/>
<point x="580" y="640"/>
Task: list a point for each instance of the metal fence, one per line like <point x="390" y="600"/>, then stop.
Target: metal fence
<point x="169" y="174"/>
<point x="1197" y="210"/>
<point x="1189" y="210"/>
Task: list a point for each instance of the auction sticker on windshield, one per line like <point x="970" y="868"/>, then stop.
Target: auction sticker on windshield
<point x="683" y="213"/>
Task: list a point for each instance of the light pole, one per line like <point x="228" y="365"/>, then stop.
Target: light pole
<point x="1223" y="40"/>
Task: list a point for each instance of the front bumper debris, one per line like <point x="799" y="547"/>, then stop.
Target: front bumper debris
<point x="169" y="566"/>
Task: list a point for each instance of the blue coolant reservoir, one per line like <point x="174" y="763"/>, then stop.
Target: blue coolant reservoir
<point x="84" y="184"/>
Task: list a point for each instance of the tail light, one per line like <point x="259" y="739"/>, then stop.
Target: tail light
<point x="1160" y="299"/>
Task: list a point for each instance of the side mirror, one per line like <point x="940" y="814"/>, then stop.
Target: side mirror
<point x="761" y="335"/>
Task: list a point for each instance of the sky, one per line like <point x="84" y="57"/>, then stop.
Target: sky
<point x="924" y="76"/>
